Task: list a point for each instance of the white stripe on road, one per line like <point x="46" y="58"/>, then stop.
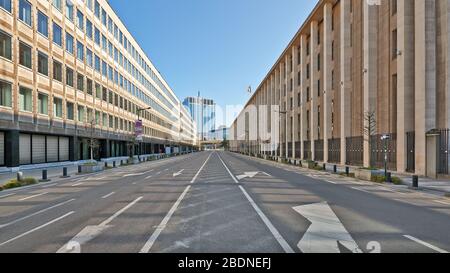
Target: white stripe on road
<point x="148" y="177"/>
<point x="358" y="189"/>
<point x="37" y="228"/>
<point x="50" y="185"/>
<point x="78" y="184"/>
<point x="36" y="213"/>
<point x="117" y="214"/>
<point x="33" y="196"/>
<point x="108" y="195"/>
<point x="435" y="248"/>
<point x="286" y="247"/>
<point x="442" y="202"/>
<point x="151" y="241"/>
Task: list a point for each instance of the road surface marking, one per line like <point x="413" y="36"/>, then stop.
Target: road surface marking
<point x="332" y="182"/>
<point x="36" y="213"/>
<point x="178" y="173"/>
<point x="325" y="232"/>
<point x="435" y="248"/>
<point x="358" y="189"/>
<point x="148" y="177"/>
<point x="90" y="232"/>
<point x="37" y="228"/>
<point x="133" y="174"/>
<point x="261" y="214"/>
<point x="108" y="195"/>
<point x="158" y="173"/>
<point x="78" y="184"/>
<point x="149" y="244"/>
<point x="7" y="195"/>
<point x="33" y="196"/>
<point x="247" y="174"/>
<point x="442" y="202"/>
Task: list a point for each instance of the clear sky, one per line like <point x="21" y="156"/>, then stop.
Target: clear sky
<point x="217" y="47"/>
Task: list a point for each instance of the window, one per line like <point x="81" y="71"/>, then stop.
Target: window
<point x="42" y="26"/>
<point x="69" y="77"/>
<point x="42" y="104"/>
<point x="89" y="86"/>
<point x="57" y="71"/>
<point x="80" y="20"/>
<point x="69" y="43"/>
<point x="42" y="63"/>
<point x="57" y="34"/>
<point x="97" y="9"/>
<point x="394" y="6"/>
<point x="105" y="119"/>
<point x="80" y="51"/>
<point x="80" y="113"/>
<point x="89" y="4"/>
<point x="25" y="55"/>
<point x="97" y="63"/>
<point x="5" y="45"/>
<point x="57" y="4"/>
<point x="69" y="111"/>
<point x="97" y="117"/>
<point x="104" y="17"/>
<point x="5" y="94"/>
<point x="88" y="29"/>
<point x="89" y="60"/>
<point x="394" y="44"/>
<point x="25" y="12"/>
<point x="98" y="91"/>
<point x="80" y="82"/>
<point x="104" y="95"/>
<point x="318" y="62"/>
<point x="69" y="10"/>
<point x="25" y="99"/>
<point x="97" y="36"/>
<point x="6" y="4"/>
<point x="57" y="108"/>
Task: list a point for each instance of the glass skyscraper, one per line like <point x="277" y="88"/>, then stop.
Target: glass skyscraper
<point x="203" y="111"/>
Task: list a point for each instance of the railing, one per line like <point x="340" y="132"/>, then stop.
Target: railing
<point x="307" y="155"/>
<point x="378" y="151"/>
<point x="354" y="151"/>
<point x="318" y="150"/>
<point x="298" y="149"/>
<point x="443" y="153"/>
<point x="334" y="150"/>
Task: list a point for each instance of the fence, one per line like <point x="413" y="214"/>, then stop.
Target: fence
<point x="443" y="151"/>
<point x="307" y="155"/>
<point x="334" y="150"/>
<point x="355" y="147"/>
<point x="378" y="151"/>
<point x="318" y="150"/>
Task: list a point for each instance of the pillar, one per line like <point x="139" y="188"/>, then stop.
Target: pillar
<point x="314" y="88"/>
<point x="327" y="71"/>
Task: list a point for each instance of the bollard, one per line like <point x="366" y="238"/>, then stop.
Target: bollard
<point x="106" y="165"/>
<point x="389" y="177"/>
<point x="347" y="171"/>
<point x="19" y="176"/>
<point x="44" y="176"/>
<point x="65" y="173"/>
<point x="324" y="166"/>
<point x="79" y="169"/>
<point x="121" y="162"/>
<point x="335" y="168"/>
<point x="415" y="181"/>
<point x="114" y="164"/>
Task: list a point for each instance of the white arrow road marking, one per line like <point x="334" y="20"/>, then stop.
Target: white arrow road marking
<point x="90" y="232"/>
<point x="249" y="175"/>
<point x="325" y="232"/>
<point x="178" y="173"/>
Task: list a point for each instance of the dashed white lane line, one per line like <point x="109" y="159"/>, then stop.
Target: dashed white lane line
<point x="151" y="241"/>
<point x="286" y="247"/>
<point x="148" y="177"/>
<point x="37" y="228"/>
<point x="442" y="202"/>
<point x="36" y="213"/>
<point x="7" y="195"/>
<point x="49" y="185"/>
<point x="358" y="189"/>
<point x="78" y="184"/>
<point x="108" y="195"/>
<point x="33" y="196"/>
<point x="435" y="248"/>
<point x="117" y="214"/>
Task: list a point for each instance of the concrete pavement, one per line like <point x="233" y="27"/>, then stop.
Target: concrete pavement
<point x="220" y="202"/>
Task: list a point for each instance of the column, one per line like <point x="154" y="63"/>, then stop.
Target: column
<point x="314" y="86"/>
<point x="74" y="145"/>
<point x="370" y="53"/>
<point x="295" y="98"/>
<point x="303" y="123"/>
<point x="327" y="71"/>
<point x="423" y="12"/>
<point x="345" y="78"/>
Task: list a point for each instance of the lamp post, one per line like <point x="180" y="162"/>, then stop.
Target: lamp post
<point x="385" y="138"/>
<point x="138" y="112"/>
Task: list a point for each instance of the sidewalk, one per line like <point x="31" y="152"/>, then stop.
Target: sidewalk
<point x="427" y="183"/>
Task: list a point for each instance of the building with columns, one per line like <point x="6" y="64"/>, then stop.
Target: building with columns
<point x="355" y="71"/>
<point x="70" y="70"/>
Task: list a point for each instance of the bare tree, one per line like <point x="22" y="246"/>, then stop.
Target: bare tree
<point x="370" y="127"/>
<point x="92" y="143"/>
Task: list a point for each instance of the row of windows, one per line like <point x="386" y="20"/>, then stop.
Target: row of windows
<point x="25" y="15"/>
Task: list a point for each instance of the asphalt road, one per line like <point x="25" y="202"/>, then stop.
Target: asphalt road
<point x="220" y="202"/>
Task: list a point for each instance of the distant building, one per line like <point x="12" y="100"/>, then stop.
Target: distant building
<point x="203" y="111"/>
<point x="222" y="133"/>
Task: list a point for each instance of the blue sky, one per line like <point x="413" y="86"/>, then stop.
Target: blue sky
<point x="217" y="47"/>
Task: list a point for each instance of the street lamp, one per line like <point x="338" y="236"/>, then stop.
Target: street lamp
<point x="138" y="112"/>
<point x="385" y="138"/>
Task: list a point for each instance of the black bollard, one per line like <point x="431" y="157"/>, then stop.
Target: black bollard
<point x="44" y="176"/>
<point x="65" y="173"/>
<point x="335" y="168"/>
<point x="79" y="169"/>
<point x="347" y="171"/>
<point x="415" y="181"/>
<point x="324" y="166"/>
<point x="114" y="164"/>
<point x="389" y="177"/>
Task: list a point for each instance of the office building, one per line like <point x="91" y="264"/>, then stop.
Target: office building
<point x="203" y="111"/>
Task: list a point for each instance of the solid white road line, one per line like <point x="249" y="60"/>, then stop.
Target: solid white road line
<point x="435" y="248"/>
<point x="36" y="213"/>
<point x="442" y="202"/>
<point x="358" y="189"/>
<point x="33" y="196"/>
<point x="117" y="214"/>
<point x="78" y="184"/>
<point x="108" y="195"/>
<point x="7" y="195"/>
<point x="37" y="228"/>
<point x="50" y="185"/>
<point x="286" y="247"/>
<point x="148" y="177"/>
<point x="151" y="241"/>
